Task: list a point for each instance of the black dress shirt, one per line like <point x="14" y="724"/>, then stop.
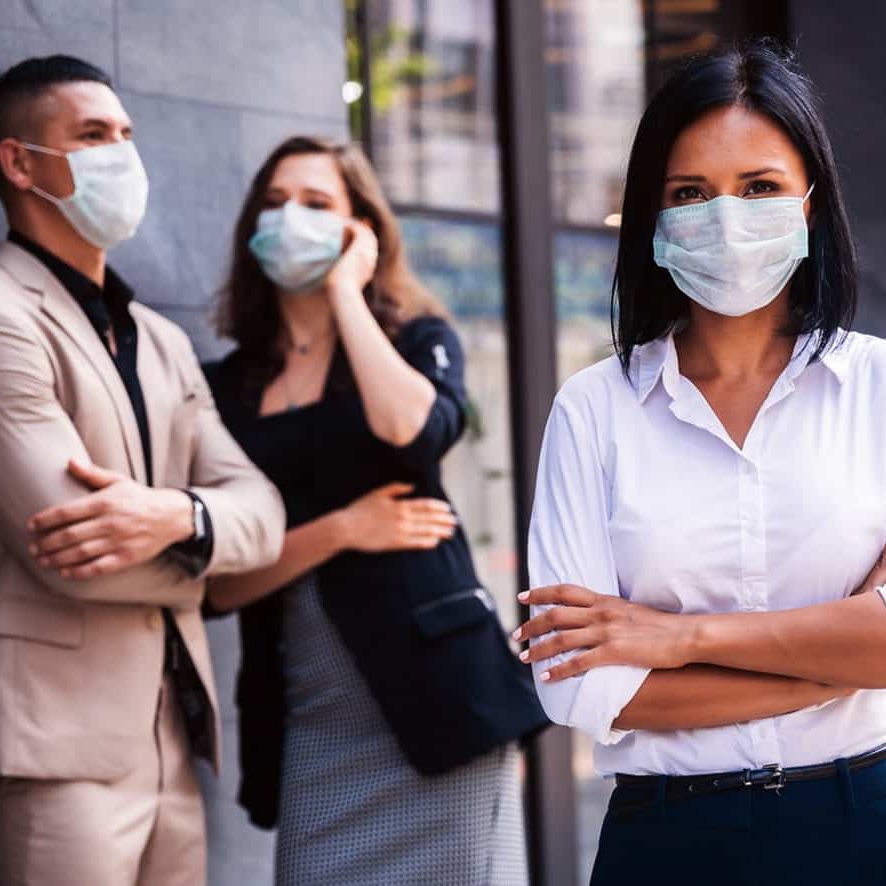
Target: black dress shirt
<point x="108" y="312"/>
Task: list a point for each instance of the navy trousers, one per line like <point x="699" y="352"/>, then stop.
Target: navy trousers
<point x="830" y="831"/>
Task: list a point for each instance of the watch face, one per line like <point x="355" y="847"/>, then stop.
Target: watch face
<point x="199" y="520"/>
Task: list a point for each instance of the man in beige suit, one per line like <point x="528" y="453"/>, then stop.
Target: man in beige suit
<point x="121" y="490"/>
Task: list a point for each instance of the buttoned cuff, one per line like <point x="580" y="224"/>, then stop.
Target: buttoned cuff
<point x="603" y="694"/>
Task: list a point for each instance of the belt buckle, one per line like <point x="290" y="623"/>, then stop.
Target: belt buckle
<point x="777" y="779"/>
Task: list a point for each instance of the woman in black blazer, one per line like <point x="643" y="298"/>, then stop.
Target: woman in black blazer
<point x="379" y="699"/>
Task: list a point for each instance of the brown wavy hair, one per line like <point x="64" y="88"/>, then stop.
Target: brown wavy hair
<point x="248" y="310"/>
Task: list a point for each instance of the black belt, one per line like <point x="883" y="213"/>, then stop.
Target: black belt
<point x="772" y="777"/>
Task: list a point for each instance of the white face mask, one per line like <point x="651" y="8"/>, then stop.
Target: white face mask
<point x="733" y="255"/>
<point x="110" y="191"/>
<point x="297" y="246"/>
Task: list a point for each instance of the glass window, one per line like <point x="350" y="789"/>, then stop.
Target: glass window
<point x="583" y="265"/>
<point x="596" y="89"/>
<point x="433" y="102"/>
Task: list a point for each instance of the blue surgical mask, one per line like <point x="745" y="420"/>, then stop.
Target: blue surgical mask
<point x="733" y="255"/>
<point x="297" y="246"/>
<point x="110" y="191"/>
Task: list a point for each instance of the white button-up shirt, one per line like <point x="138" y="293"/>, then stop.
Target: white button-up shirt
<point x="642" y="493"/>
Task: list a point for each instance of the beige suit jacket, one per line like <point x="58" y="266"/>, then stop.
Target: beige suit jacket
<point x="81" y="661"/>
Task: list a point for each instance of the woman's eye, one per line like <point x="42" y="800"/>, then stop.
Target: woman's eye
<point x="760" y="187"/>
<point x="687" y="193"/>
<point x="317" y="204"/>
<point x="92" y="136"/>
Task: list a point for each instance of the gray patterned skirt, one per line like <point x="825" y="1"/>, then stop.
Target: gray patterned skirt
<point x="353" y="812"/>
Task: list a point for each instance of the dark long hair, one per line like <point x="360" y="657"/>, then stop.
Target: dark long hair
<point x="248" y="310"/>
<point x="763" y="78"/>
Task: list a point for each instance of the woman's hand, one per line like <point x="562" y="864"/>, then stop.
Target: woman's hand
<point x="383" y="520"/>
<point x="358" y="260"/>
<point x="602" y="630"/>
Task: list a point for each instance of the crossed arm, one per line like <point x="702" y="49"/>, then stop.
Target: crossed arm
<point x="93" y="534"/>
<point x="603" y="664"/>
<point x="709" y="670"/>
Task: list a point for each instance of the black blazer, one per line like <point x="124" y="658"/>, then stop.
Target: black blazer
<point x="422" y="629"/>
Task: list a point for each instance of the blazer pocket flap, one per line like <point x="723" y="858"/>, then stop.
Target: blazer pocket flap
<point x="54" y="620"/>
<point x="453" y="612"/>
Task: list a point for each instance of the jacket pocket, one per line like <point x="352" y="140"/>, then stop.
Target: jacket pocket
<point x="447" y="614"/>
<point x="53" y="620"/>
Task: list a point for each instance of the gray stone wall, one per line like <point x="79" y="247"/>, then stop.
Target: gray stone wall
<point x="211" y="86"/>
<point x="841" y="47"/>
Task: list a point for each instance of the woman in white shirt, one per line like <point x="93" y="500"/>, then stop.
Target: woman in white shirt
<point x="710" y="512"/>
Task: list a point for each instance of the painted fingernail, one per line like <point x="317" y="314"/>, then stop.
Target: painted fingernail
<point x="518" y="634"/>
<point x="545" y="677"/>
<point x="523" y="596"/>
<point x="524" y="655"/>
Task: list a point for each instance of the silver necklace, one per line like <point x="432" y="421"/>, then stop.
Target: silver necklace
<point x="308" y="380"/>
<point x="304" y="348"/>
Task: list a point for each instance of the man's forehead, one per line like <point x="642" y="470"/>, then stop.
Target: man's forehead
<point x="70" y="104"/>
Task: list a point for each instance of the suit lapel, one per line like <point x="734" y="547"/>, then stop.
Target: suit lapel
<point x="150" y="372"/>
<point x="59" y="305"/>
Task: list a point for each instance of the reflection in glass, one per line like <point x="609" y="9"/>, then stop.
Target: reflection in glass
<point x="584" y="262"/>
<point x="460" y="261"/>
<point x="596" y="90"/>
<point x="679" y="29"/>
<point x="433" y="102"/>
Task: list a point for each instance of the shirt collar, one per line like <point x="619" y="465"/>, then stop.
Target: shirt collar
<point x="116" y="294"/>
<point x="657" y="361"/>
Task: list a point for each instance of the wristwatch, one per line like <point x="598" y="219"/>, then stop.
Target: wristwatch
<point x="194" y="553"/>
<point x="199" y="517"/>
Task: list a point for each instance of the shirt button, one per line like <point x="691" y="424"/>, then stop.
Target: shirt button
<point x="155" y="620"/>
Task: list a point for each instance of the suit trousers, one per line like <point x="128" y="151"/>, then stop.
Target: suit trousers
<point x="146" y="829"/>
<point x="823" y="832"/>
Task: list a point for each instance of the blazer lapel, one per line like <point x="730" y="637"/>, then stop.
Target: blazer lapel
<point x="150" y="369"/>
<point x="60" y="306"/>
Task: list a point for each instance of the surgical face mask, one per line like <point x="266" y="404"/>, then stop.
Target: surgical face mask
<point x="733" y="255"/>
<point x="110" y="191"/>
<point x="297" y="246"/>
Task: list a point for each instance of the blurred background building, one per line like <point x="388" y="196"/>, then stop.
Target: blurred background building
<point x="501" y="130"/>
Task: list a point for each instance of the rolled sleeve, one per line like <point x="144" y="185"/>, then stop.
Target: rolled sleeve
<point x="569" y="544"/>
<point x="430" y="345"/>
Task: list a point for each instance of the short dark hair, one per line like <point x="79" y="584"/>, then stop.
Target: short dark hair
<point x="762" y="77"/>
<point x="25" y="82"/>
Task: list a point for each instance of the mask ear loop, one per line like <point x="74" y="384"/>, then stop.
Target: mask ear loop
<point x="41" y="150"/>
<point x="56" y="201"/>
<point x="806" y="197"/>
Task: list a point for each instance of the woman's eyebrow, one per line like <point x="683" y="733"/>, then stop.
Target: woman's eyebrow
<point x="765" y="171"/>
<point x="318" y="192"/>
<point x="679" y="176"/>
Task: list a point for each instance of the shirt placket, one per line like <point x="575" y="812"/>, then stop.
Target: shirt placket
<point x="754" y="589"/>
